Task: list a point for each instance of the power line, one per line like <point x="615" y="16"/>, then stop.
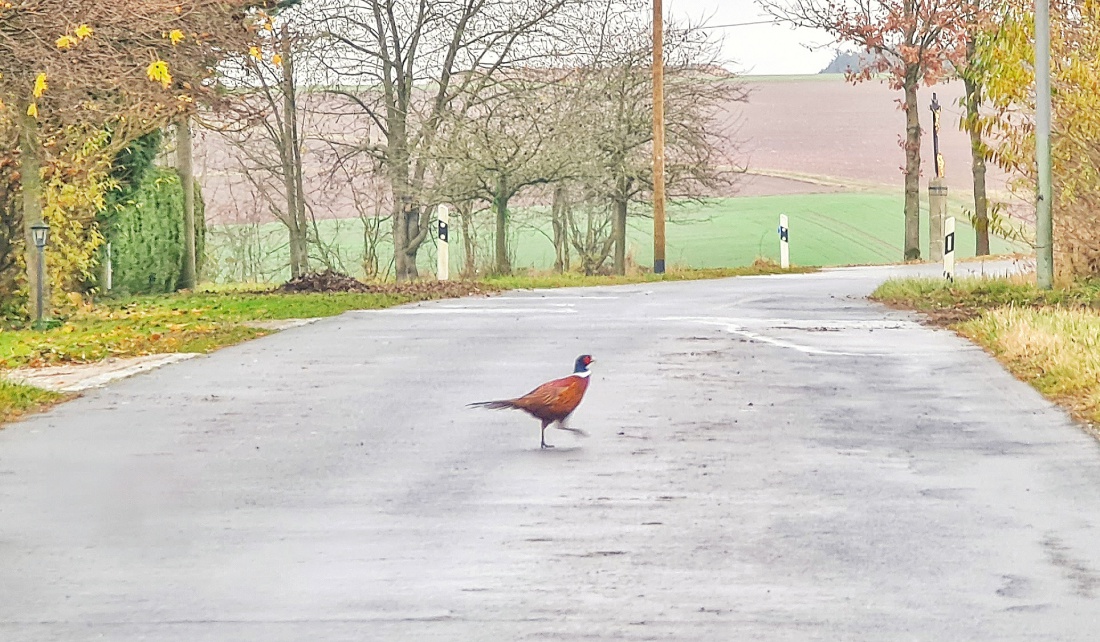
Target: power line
<point x="773" y="21"/>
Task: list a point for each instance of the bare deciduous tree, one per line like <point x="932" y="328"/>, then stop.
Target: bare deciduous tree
<point x="404" y="63"/>
<point x="264" y="124"/>
<point x="521" y="135"/>
<point x="699" y="95"/>
<point x="914" y="41"/>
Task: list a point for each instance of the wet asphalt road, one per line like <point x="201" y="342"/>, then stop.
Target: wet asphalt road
<point x="770" y="458"/>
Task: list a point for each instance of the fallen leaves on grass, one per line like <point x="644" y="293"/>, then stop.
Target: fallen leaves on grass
<point x="93" y="337"/>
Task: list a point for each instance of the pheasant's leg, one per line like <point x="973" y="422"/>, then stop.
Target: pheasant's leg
<point x="577" y="431"/>
<point x="544" y="444"/>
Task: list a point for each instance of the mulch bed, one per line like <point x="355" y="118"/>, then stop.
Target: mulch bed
<point x="330" y="281"/>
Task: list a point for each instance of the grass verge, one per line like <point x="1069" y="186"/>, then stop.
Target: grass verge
<point x="1049" y="339"/>
<point x="207" y="320"/>
<point x="189" y="322"/>
<point x="17" y="399"/>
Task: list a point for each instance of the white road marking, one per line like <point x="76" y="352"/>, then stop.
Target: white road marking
<point x="550" y="295"/>
<point x="780" y="343"/>
<point x="449" y="310"/>
<point x="737" y="326"/>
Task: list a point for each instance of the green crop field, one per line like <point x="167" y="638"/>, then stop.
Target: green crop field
<point x="854" y="228"/>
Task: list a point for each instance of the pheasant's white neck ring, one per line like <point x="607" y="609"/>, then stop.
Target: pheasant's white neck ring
<point x="583" y="375"/>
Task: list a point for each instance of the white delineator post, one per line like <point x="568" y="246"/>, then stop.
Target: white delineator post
<point x="442" y="252"/>
<point x="784" y="243"/>
<point x="949" y="248"/>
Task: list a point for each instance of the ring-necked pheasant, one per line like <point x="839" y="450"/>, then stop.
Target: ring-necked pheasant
<point x="553" y="401"/>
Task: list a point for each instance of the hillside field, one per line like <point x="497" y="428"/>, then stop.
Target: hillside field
<point x="850" y="228"/>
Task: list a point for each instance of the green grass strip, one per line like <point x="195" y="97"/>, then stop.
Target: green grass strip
<point x="17" y="399"/>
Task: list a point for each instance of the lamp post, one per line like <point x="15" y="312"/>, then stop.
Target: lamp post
<point x="40" y="233"/>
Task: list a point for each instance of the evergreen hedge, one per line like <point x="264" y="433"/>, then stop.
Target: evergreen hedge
<point x="147" y="237"/>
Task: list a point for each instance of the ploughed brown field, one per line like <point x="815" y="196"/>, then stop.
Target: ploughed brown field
<point x="822" y="126"/>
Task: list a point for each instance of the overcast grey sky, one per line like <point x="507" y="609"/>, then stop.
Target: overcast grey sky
<point x="758" y="49"/>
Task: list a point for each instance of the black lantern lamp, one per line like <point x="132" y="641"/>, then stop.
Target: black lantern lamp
<point x="40" y="234"/>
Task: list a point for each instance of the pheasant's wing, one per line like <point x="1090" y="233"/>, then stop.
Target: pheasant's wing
<point x="554" y="399"/>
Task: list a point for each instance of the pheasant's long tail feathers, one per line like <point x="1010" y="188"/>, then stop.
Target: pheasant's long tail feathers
<point x="494" y="405"/>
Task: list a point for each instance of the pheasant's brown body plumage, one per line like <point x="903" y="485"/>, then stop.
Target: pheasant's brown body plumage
<point x="552" y="402"/>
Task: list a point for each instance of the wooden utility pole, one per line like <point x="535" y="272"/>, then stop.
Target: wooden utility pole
<point x="185" y="165"/>
<point x="658" y="139"/>
<point x="1044" y="224"/>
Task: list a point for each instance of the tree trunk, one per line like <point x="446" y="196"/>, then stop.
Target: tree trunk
<point x="185" y="168"/>
<point x="292" y="165"/>
<point x="977" y="162"/>
<point x="370" y="249"/>
<point x="561" y="238"/>
<point x="469" y="241"/>
<point x="406" y="217"/>
<point x="618" y="223"/>
<point x="30" y="155"/>
<point x="500" y="209"/>
<point x="912" y="167"/>
<point x="406" y="213"/>
<point x="411" y="219"/>
<point x="399" y="271"/>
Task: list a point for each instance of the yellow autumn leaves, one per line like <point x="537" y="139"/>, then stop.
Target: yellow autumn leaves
<point x="157" y="71"/>
<point x="40" y="85"/>
<point x="68" y="40"/>
<point x="258" y="54"/>
<point x="40" y="88"/>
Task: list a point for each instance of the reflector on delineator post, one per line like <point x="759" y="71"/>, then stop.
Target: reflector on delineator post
<point x="444" y="260"/>
<point x="949" y="248"/>
<point x="784" y="242"/>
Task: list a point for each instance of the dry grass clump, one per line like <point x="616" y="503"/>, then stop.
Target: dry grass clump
<point x="1056" y="350"/>
<point x="1048" y="338"/>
